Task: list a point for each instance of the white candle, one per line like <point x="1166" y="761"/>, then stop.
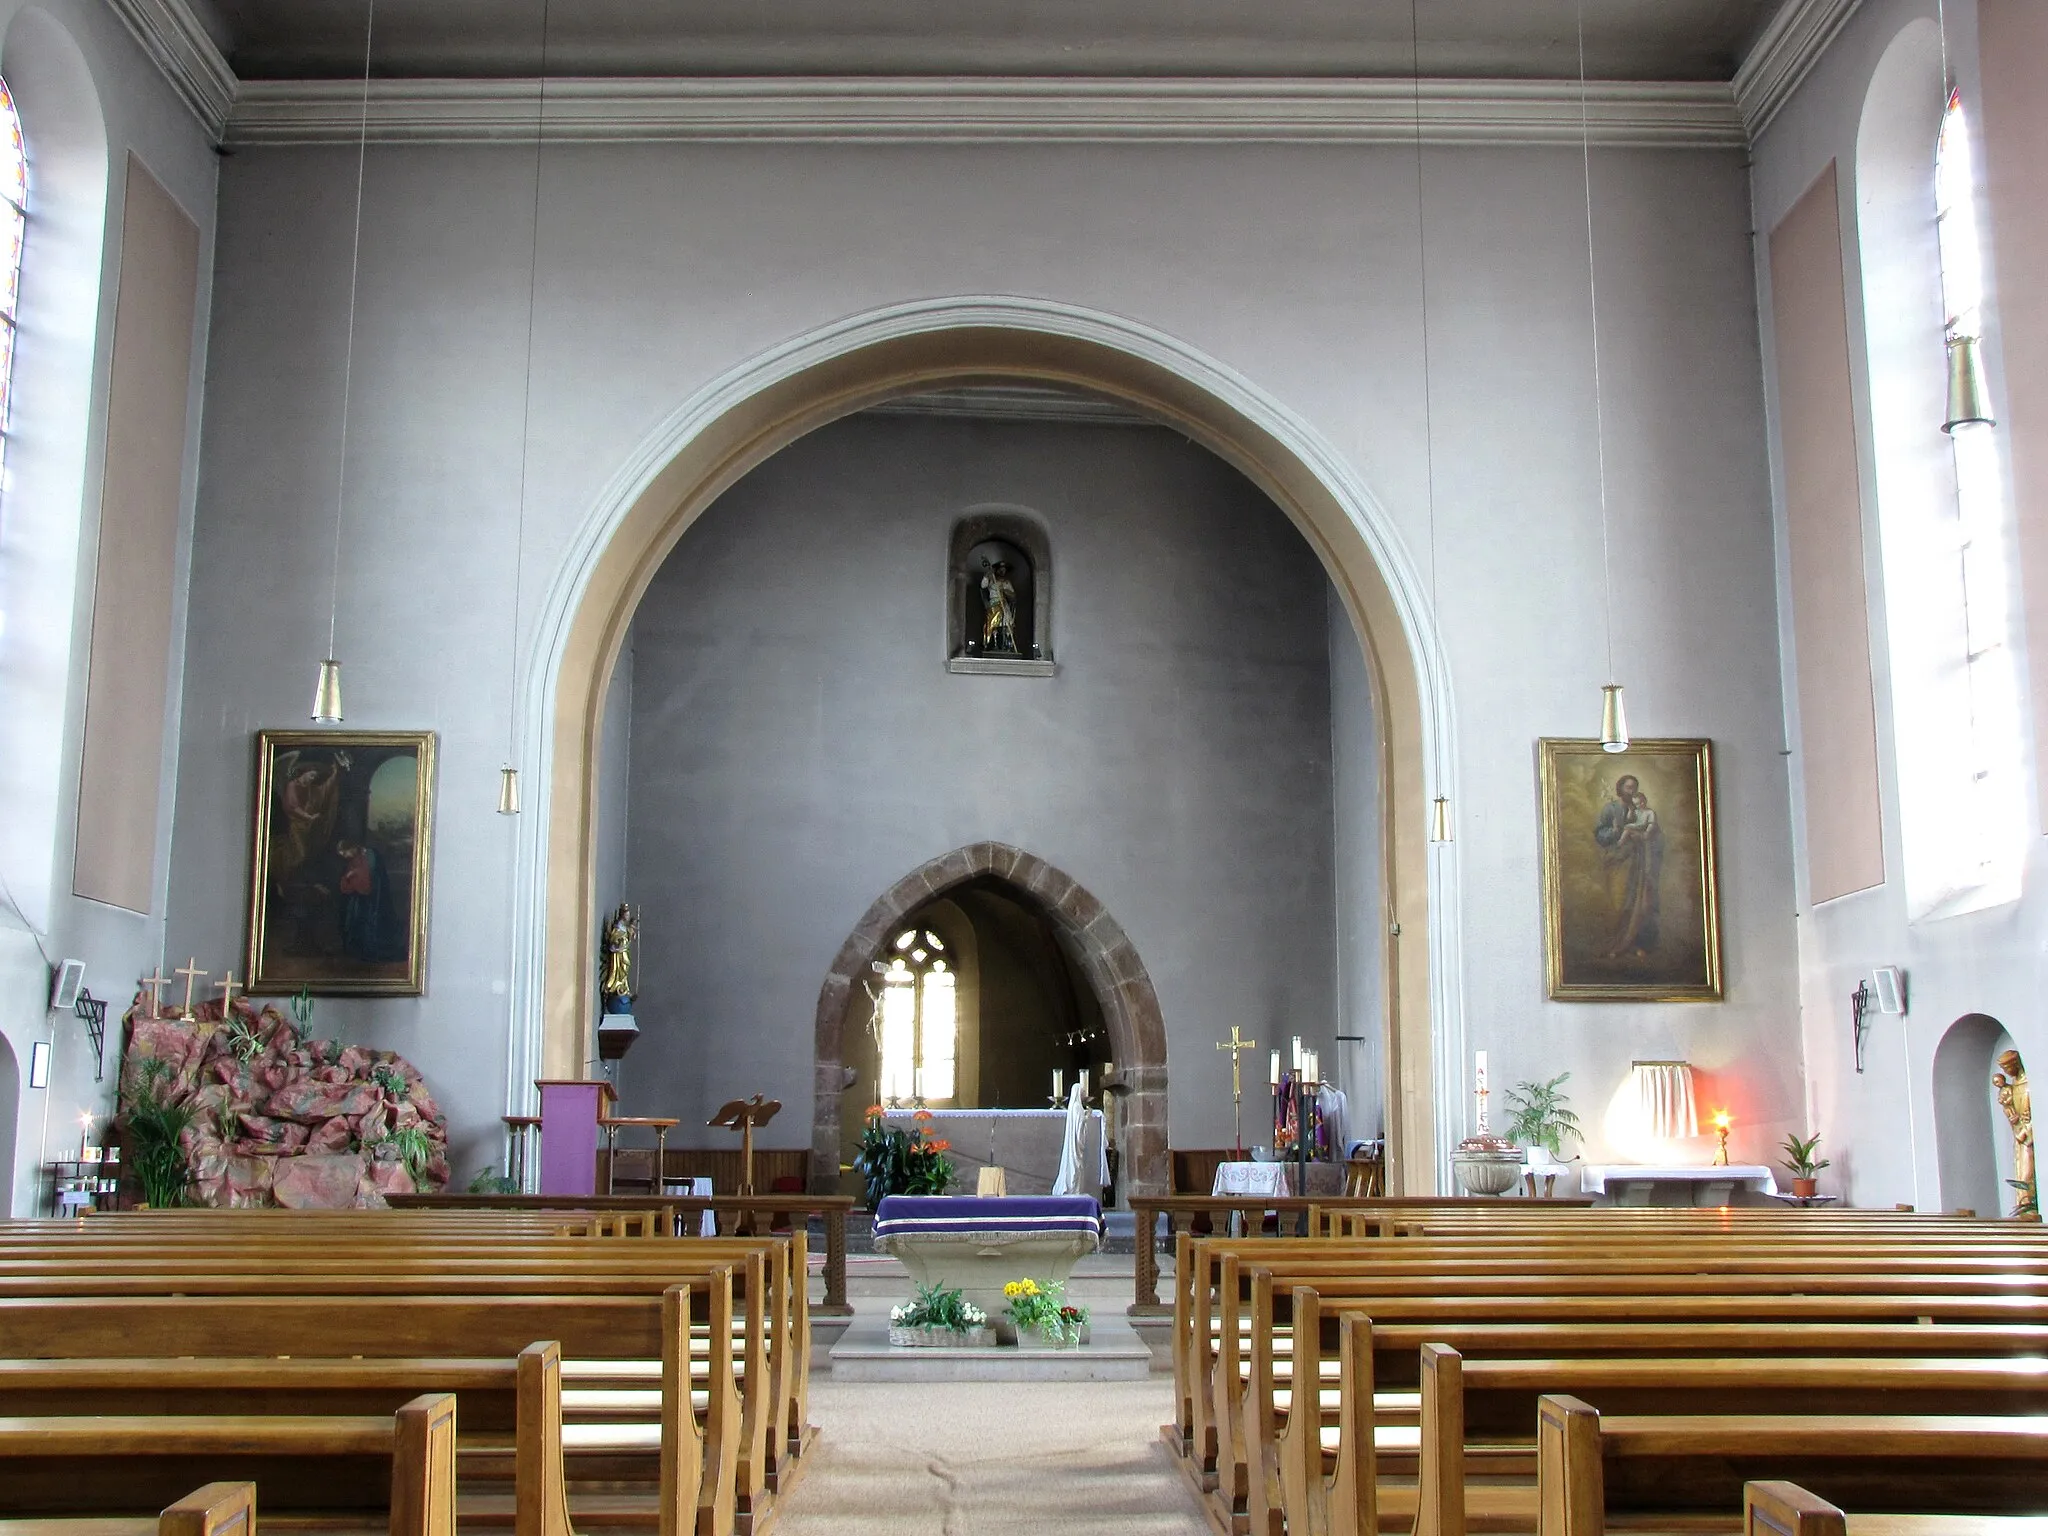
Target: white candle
<point x="1297" y="1055"/>
<point x="1479" y="1072"/>
<point x="1275" y="1079"/>
<point x="1058" y="1081"/>
<point x="1084" y="1082"/>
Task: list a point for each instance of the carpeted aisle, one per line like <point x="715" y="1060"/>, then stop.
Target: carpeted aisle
<point x="983" y="1459"/>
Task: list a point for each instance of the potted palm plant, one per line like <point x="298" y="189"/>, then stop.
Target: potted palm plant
<point x="1540" y="1118"/>
<point x="1802" y="1165"/>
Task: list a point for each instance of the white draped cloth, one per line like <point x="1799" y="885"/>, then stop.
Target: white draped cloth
<point x="1073" y="1145"/>
<point x="1664" y="1099"/>
<point x="1336" y="1112"/>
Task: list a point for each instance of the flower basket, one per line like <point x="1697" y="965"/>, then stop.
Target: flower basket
<point x="1032" y="1338"/>
<point x="941" y="1338"/>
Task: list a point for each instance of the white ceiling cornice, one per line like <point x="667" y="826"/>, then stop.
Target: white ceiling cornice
<point x="1790" y="46"/>
<point x="185" y="55"/>
<point x="902" y="110"/>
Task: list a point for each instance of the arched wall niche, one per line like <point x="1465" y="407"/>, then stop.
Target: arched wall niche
<point x="753" y="411"/>
<point x="1109" y="962"/>
<point x="1972" y="1139"/>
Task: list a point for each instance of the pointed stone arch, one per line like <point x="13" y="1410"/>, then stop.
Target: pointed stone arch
<point x="1108" y="959"/>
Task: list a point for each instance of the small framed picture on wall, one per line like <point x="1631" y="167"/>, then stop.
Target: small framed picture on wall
<point x="1630" y="905"/>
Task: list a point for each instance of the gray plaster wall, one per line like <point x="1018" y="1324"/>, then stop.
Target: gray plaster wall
<point x="1883" y="1125"/>
<point x="664" y="265"/>
<point x="799" y="746"/>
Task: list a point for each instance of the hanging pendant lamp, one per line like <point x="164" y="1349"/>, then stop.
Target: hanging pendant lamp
<point x="1613" y="716"/>
<point x="508" y="775"/>
<point x="1969" y="397"/>
<point x="327" y="684"/>
<point x="1440" y="807"/>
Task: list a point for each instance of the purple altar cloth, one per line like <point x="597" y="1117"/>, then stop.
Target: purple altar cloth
<point x="934" y="1214"/>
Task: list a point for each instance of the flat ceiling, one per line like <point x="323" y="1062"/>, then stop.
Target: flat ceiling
<point x="1482" y="39"/>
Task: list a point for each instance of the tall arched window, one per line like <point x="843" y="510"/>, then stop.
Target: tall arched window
<point x="1964" y="813"/>
<point x="14" y="195"/>
<point x="1982" y="574"/>
<point x="918" y="1019"/>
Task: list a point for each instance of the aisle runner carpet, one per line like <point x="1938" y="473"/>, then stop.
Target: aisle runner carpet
<point x="982" y="1459"/>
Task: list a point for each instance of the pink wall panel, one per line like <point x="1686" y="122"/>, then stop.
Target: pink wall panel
<point x="1824" y="517"/>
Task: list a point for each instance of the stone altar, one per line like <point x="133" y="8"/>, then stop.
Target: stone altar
<point x="976" y="1245"/>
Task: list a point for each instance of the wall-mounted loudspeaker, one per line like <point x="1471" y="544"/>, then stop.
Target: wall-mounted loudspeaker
<point x="1891" y="989"/>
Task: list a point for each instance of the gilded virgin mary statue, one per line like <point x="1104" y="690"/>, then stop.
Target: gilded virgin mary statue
<point x="615" y="980"/>
<point x="2016" y="1098"/>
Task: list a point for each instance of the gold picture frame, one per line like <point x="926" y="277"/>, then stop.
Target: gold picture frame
<point x="339" y="870"/>
<point x="1631" y="901"/>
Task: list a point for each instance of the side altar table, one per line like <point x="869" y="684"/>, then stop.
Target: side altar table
<point x="978" y="1244"/>
<point x="1638" y="1183"/>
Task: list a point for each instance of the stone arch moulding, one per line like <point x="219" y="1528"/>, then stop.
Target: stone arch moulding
<point x="740" y="419"/>
<point x="1130" y="1007"/>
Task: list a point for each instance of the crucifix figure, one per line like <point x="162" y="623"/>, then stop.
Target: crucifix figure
<point x="1237" y="1046"/>
<point x="154" y="985"/>
<point x="743" y="1115"/>
<point x="193" y="976"/>
<point x="227" y="996"/>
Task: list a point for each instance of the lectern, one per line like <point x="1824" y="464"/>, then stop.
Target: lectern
<point x="569" y="1111"/>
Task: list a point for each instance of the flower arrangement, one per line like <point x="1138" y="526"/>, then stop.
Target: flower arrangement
<point x="938" y="1316"/>
<point x="893" y="1161"/>
<point x="1045" y="1310"/>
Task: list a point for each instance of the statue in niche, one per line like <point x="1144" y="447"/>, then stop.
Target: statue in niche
<point x="998" y="609"/>
<point x="2016" y="1098"/>
<point x="615" y="985"/>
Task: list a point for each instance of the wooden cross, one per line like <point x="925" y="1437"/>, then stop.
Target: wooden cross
<point x="227" y="996"/>
<point x="155" y="983"/>
<point x="193" y="975"/>
<point x="743" y="1115"/>
<point x="1237" y="1045"/>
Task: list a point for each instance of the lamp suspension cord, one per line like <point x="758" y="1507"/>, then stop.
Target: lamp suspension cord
<point x="540" y="127"/>
<point x="348" y="356"/>
<point x="1593" y="301"/>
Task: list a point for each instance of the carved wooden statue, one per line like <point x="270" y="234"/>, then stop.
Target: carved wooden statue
<point x="2016" y="1098"/>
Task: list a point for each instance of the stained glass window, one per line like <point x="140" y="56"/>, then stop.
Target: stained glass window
<point x="13" y="225"/>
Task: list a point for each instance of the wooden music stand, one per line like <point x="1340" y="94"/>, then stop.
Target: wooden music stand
<point x="743" y="1115"/>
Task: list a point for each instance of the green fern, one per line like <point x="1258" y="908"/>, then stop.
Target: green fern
<point x="1538" y="1115"/>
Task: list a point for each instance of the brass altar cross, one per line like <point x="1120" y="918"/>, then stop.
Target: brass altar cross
<point x="192" y="974"/>
<point x="1237" y="1045"/>
<point x="154" y="983"/>
<point x="227" y="996"/>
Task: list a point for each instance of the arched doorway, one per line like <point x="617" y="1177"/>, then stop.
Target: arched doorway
<point x="1973" y="1142"/>
<point x="1108" y="961"/>
<point x="743" y="418"/>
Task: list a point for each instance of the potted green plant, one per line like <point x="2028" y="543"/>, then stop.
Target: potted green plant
<point x="155" y="1124"/>
<point x="1802" y="1165"/>
<point x="893" y="1161"/>
<point x="1043" y="1316"/>
<point x="940" y="1318"/>
<point x="1540" y="1118"/>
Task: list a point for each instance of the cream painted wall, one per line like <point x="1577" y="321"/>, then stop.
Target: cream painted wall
<point x="1880" y="1125"/>
<point x="663" y="265"/>
<point x="88" y="97"/>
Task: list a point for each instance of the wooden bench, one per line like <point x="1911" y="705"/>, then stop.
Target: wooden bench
<point x="1658" y="1468"/>
<point x="218" y="1509"/>
<point x="1786" y="1509"/>
<point x="352" y="1467"/>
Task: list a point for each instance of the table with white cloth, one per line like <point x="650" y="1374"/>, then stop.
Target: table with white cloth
<point x="1640" y="1183"/>
<point x="1276" y="1179"/>
<point x="1025" y="1143"/>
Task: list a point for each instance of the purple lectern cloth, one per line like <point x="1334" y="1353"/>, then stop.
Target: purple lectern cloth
<point x="937" y="1214"/>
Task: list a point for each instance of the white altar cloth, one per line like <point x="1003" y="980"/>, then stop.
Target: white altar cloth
<point x="1026" y="1145"/>
<point x="1632" y="1183"/>
<point x="1276" y="1179"/>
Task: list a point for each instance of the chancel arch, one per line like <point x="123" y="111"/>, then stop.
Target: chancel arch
<point x="744" y="418"/>
<point x="1117" y="982"/>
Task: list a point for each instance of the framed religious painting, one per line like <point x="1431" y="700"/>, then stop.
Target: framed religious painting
<point x="1630" y="907"/>
<point x="338" y="878"/>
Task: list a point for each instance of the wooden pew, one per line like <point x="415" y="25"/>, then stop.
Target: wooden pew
<point x="1656" y="1468"/>
<point x="218" y="1509"/>
<point x="1786" y="1509"/>
<point x="80" y="1465"/>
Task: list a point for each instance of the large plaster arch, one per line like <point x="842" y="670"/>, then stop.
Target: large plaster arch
<point x="752" y="411"/>
<point x="1107" y="957"/>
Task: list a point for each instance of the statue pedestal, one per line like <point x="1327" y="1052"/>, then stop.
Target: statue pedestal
<point x="569" y="1111"/>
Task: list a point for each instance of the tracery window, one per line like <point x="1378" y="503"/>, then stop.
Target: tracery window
<point x="918" y="1019"/>
<point x="14" y="217"/>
